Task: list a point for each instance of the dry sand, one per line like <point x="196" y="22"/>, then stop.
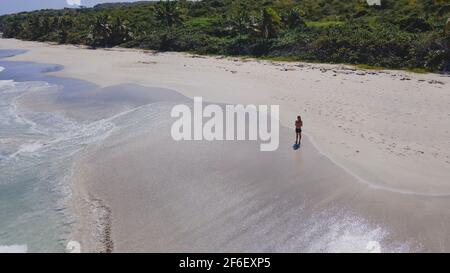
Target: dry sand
<point x="389" y="130"/>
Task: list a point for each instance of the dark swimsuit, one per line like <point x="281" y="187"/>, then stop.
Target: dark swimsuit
<point x="298" y="130"/>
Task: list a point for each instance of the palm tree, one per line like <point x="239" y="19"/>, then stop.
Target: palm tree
<point x="169" y="13"/>
<point x="11" y="28"/>
<point x="45" y="26"/>
<point x="270" y="22"/>
<point x="64" y="23"/>
<point x="293" y="18"/>
<point x="447" y="27"/>
<point x="242" y="23"/>
<point x="105" y="34"/>
<point x="34" y="28"/>
<point x="101" y="32"/>
<point x="120" y="32"/>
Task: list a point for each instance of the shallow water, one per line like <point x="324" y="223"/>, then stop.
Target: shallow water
<point x="36" y="153"/>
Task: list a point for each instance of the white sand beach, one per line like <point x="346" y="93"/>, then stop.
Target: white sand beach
<point x="378" y="146"/>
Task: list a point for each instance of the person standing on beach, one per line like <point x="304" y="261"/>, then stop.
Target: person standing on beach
<point x="298" y="130"/>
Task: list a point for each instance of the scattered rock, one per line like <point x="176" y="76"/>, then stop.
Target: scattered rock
<point x="435" y="82"/>
<point x="147" y="62"/>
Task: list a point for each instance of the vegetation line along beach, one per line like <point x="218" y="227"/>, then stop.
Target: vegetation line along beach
<point x="394" y="34"/>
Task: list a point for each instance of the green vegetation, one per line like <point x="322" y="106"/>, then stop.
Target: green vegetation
<point x="408" y="34"/>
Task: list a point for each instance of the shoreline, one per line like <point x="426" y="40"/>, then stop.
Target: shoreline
<point x="93" y="225"/>
<point x="341" y="196"/>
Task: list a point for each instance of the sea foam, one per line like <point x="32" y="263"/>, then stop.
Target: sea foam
<point x="14" y="249"/>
